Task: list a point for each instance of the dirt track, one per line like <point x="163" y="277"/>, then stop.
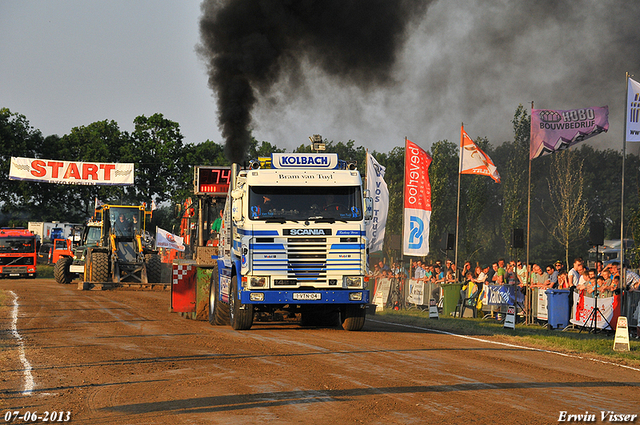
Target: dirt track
<point x="114" y="357"/>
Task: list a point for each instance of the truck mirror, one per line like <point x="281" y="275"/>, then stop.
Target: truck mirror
<point x="236" y="193"/>
<point x="236" y="210"/>
<point x="368" y="208"/>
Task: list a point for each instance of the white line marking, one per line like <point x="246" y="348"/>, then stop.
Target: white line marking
<point x="28" y="378"/>
<point x="574" y="356"/>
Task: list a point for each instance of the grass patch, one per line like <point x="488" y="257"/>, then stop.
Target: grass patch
<point x="569" y="341"/>
<point x="45" y="271"/>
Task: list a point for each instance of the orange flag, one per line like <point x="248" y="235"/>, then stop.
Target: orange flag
<point x="473" y="160"/>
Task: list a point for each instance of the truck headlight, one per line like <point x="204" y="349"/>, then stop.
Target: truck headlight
<point x="256" y="296"/>
<point x="259" y="281"/>
<point x="355" y="296"/>
<point x="353" y="281"/>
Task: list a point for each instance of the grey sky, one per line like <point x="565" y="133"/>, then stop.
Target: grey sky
<point x="70" y="63"/>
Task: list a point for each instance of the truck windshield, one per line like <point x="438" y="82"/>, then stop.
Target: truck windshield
<point x="17" y="245"/>
<point x="305" y="203"/>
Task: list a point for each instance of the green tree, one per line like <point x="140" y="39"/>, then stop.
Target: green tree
<point x="443" y="176"/>
<point x="155" y="150"/>
<point x="569" y="212"/>
<point x="101" y="141"/>
<point x="513" y="157"/>
<point x="477" y="193"/>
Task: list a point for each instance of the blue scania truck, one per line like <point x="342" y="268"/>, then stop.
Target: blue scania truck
<point x="293" y="240"/>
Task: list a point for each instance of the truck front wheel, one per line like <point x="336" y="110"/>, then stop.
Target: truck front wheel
<point x="353" y="317"/>
<point x="240" y="315"/>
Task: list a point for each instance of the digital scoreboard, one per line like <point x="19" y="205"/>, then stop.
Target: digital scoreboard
<point x="211" y="180"/>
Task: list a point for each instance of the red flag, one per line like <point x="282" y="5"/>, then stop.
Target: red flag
<point x="417" y="200"/>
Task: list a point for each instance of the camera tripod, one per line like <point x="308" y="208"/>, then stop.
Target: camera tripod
<point x="593" y="317"/>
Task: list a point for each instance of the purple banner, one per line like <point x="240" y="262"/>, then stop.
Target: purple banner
<point x="557" y="130"/>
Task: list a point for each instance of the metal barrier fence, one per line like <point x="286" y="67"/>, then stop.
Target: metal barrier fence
<point x="407" y="294"/>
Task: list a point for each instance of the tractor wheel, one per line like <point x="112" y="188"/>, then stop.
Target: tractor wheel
<point x="353" y="317"/>
<point x="240" y="316"/>
<point x="154" y="267"/>
<point x="100" y="267"/>
<point x="61" y="270"/>
<point x="218" y="311"/>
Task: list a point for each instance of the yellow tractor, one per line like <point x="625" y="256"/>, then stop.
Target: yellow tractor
<point x="121" y="251"/>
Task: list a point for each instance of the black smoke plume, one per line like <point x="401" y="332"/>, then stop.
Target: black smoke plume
<point x="249" y="45"/>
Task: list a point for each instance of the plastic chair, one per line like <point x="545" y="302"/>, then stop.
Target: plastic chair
<point x="465" y="303"/>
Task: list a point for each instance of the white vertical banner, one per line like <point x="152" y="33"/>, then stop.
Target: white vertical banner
<point x="378" y="189"/>
<point x="633" y="112"/>
<point x="417" y="200"/>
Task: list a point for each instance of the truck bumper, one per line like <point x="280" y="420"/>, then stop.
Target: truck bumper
<point x="305" y="297"/>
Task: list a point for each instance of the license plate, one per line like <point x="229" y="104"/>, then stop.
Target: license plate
<point x="307" y="296"/>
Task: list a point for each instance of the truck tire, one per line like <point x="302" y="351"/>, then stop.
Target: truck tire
<point x="218" y="311"/>
<point x="100" y="267"/>
<point x="61" y="270"/>
<point x="154" y="267"/>
<point x="353" y="317"/>
<point x="240" y="316"/>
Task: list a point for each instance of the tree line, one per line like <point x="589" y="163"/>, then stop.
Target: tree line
<point x="568" y="191"/>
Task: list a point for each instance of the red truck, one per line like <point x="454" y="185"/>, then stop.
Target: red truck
<point x="17" y="253"/>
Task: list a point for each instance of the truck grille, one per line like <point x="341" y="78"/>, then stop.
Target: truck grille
<point x="14" y="270"/>
<point x="16" y="261"/>
<point x="307" y="261"/>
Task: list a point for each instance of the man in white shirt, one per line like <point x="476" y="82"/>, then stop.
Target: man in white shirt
<point x="576" y="272"/>
<point x="419" y="272"/>
<point x="521" y="272"/>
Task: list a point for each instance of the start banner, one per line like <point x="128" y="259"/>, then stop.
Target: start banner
<point x="71" y="172"/>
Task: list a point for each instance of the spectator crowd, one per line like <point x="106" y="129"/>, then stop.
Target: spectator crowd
<point x="601" y="281"/>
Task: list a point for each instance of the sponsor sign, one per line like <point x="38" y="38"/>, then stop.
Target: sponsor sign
<point x="71" y="172"/>
<point x="633" y="111"/>
<point x="556" y="130"/>
<point x="416" y="292"/>
<point x="582" y="312"/>
<point x="510" y="318"/>
<point x="168" y="240"/>
<point x="417" y="200"/>
<point x="383" y="287"/>
<point x="307" y="232"/>
<point x="500" y="295"/>
<point x="621" y="341"/>
<point x="304" y="160"/>
<point x="379" y="191"/>
<point x="433" y="309"/>
<point x="473" y="160"/>
<point x="543" y="312"/>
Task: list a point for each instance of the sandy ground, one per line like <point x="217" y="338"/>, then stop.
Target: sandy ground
<point x="121" y="357"/>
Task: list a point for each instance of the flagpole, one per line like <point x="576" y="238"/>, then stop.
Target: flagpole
<point x="624" y="153"/>
<point x="404" y="188"/>
<point x="527" y="302"/>
<point x="455" y="255"/>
